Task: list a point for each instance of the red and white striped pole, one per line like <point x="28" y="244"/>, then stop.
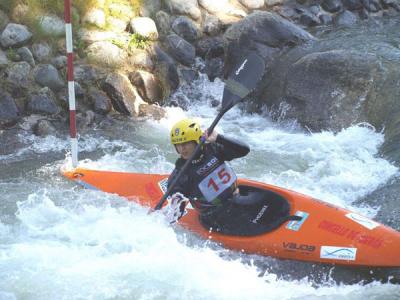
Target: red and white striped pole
<point x="71" y="85"/>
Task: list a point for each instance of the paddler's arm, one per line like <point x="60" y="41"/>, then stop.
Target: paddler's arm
<point x="228" y="147"/>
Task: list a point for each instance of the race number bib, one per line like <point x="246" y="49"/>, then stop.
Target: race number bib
<point x="217" y="182"/>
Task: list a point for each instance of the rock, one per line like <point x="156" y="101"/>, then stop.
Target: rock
<point x="15" y="35"/>
<point x="149" y="8"/>
<point x="309" y="19"/>
<point x="210" y="47"/>
<point x="3" y="20"/>
<point x="106" y="54"/>
<point x="188" y="7"/>
<point x="185" y="28"/>
<point x="154" y="111"/>
<point x="322" y="89"/>
<point x="18" y="74"/>
<point x="101" y="102"/>
<point x="123" y="95"/>
<point x="214" y="68"/>
<point x="148" y="86"/>
<point x="274" y="2"/>
<point x="9" y="112"/>
<point x="92" y="36"/>
<point x="84" y="120"/>
<point x="96" y="17"/>
<point x="211" y="24"/>
<point x="332" y="6"/>
<point x="52" y="25"/>
<point x="371" y="5"/>
<point x="163" y="21"/>
<point x="141" y="59"/>
<point x="43" y="102"/>
<point x="181" y="50"/>
<point x="391" y="4"/>
<point x="41" y="51"/>
<point x="117" y="25"/>
<point x="352" y="4"/>
<point x="326" y="19"/>
<point x="48" y="76"/>
<point x="26" y="55"/>
<point x="188" y="75"/>
<point x="166" y="68"/>
<point x="215" y="103"/>
<point x="86" y="74"/>
<point x="269" y="29"/>
<point x="346" y="19"/>
<point x="3" y="60"/>
<point x="44" y="128"/>
<point x="286" y="12"/>
<point x="252" y="4"/>
<point x="59" y="62"/>
<point x="146" y="27"/>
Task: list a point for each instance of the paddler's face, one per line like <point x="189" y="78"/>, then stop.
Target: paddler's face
<point x="186" y="149"/>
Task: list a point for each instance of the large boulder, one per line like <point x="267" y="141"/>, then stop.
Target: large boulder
<point x="17" y="76"/>
<point x="181" y="50"/>
<point x="269" y="29"/>
<point x="123" y="95"/>
<point x="8" y="109"/>
<point x="48" y="76"/>
<point x="145" y="27"/>
<point x="52" y="25"/>
<point x="261" y="29"/>
<point x="329" y="85"/>
<point x="323" y="90"/>
<point x="148" y="86"/>
<point x="43" y="102"/>
<point x="166" y="68"/>
<point x="185" y="28"/>
<point x="188" y="8"/>
<point x="107" y="54"/>
<point x="15" y="35"/>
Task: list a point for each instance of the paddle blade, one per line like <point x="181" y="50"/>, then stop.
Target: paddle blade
<point x="243" y="80"/>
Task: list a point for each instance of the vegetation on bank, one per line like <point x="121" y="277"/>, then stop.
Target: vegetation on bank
<point x="117" y="9"/>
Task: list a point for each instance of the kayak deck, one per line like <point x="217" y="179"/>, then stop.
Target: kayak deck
<point x="326" y="233"/>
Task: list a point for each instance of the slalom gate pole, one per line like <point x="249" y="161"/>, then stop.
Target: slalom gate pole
<point x="71" y="85"/>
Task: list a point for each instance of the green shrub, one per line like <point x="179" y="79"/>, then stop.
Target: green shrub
<point x="138" y="41"/>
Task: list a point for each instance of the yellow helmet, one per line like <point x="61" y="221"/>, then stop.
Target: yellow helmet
<point x="185" y="131"/>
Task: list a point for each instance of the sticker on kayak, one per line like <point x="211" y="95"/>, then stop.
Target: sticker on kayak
<point x="342" y="253"/>
<point x="363" y="221"/>
<point x="296" y="225"/>
<point x="163" y="184"/>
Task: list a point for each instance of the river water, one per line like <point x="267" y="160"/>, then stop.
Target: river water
<point x="59" y="241"/>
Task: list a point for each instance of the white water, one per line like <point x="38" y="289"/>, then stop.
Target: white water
<point x="58" y="241"/>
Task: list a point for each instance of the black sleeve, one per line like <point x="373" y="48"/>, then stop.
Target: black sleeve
<point x="182" y="184"/>
<point x="229" y="148"/>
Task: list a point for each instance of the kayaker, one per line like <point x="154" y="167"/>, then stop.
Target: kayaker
<point x="210" y="183"/>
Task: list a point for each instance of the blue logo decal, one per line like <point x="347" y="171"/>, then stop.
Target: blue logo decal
<point x="296" y="225"/>
<point x="177" y="131"/>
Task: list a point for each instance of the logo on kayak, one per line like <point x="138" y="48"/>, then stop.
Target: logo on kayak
<point x="342" y="253"/>
<point x="296" y="225"/>
<point x="163" y="184"/>
<point x="363" y="221"/>
<point x="298" y="247"/>
<point x="260" y="214"/>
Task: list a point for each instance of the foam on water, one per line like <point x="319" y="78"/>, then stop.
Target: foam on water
<point x="98" y="246"/>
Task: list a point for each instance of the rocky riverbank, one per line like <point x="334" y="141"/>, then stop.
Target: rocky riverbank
<point x="320" y="69"/>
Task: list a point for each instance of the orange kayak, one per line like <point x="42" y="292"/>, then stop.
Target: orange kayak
<point x="325" y="233"/>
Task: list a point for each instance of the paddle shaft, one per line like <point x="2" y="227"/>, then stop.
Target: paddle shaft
<point x="189" y="160"/>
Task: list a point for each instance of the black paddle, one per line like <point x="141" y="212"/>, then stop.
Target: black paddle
<point x="238" y="85"/>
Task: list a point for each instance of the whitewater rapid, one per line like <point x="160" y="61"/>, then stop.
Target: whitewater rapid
<point x="59" y="241"/>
